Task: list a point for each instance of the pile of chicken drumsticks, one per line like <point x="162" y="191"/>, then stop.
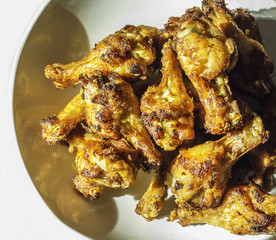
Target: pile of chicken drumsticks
<point x="176" y="102"/>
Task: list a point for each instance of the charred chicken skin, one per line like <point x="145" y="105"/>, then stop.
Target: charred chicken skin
<point x="167" y="110"/>
<point x="198" y="176"/>
<point x="206" y="56"/>
<point x="129" y="52"/>
<point x="112" y="111"/>
<point x="254" y="70"/>
<point x="101" y="163"/>
<point x="244" y="209"/>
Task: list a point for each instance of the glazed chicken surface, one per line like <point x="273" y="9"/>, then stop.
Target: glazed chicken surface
<point x="167" y="110"/>
<point x="129" y="52"/>
<point x="244" y="209"/>
<point x="176" y="103"/>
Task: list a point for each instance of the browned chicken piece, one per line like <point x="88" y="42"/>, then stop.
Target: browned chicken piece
<point x="205" y="55"/>
<point x="263" y="158"/>
<point x="199" y="111"/>
<point x="247" y="23"/>
<point x="153" y="199"/>
<point x="101" y="163"/>
<point x="199" y="175"/>
<point x="244" y="209"/>
<point x="167" y="110"/>
<point x="262" y="162"/>
<point x="129" y="52"/>
<point x="56" y="127"/>
<point x="254" y="70"/>
<point x="112" y="111"/>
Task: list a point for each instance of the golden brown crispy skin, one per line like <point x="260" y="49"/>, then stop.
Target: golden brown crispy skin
<point x="167" y="110"/>
<point x="205" y="55"/>
<point x="112" y="111"/>
<point x="199" y="175"/>
<point x="129" y="52"/>
<point x="254" y="70"/>
<point x="152" y="200"/>
<point x="101" y="163"/>
<point x="245" y="209"/>
<point x="56" y="127"/>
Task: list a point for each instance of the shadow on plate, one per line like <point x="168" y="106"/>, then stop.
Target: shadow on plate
<point x="57" y="36"/>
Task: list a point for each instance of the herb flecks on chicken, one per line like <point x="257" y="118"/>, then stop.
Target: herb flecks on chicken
<point x="254" y="70"/>
<point x="146" y="96"/>
<point x="167" y="110"/>
<point x="112" y="111"/>
<point x="199" y="175"/>
<point x="129" y="52"/>
<point x="206" y="56"/>
<point x="153" y="199"/>
<point x="244" y="209"/>
<point x="102" y="164"/>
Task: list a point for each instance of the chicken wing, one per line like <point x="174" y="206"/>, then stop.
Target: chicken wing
<point x="55" y="128"/>
<point x="263" y="158"/>
<point x="167" y="110"/>
<point x="205" y="55"/>
<point x="152" y="200"/>
<point x="101" y="163"/>
<point x="245" y="209"/>
<point x="199" y="175"/>
<point x="112" y="111"/>
<point x="254" y="70"/>
<point x="129" y="52"/>
<point x="247" y="23"/>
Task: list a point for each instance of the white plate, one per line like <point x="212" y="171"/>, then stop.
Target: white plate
<point x="64" y="32"/>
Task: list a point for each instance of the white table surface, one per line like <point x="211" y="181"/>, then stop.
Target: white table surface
<point x="23" y="214"/>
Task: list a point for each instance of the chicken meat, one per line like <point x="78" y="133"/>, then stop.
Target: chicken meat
<point x="244" y="209"/>
<point x="112" y="111"/>
<point x="102" y="164"/>
<point x="167" y="110"/>
<point x="56" y="128"/>
<point x="130" y="52"/>
<point x="198" y="176"/>
<point x="206" y="56"/>
<point x="254" y="70"/>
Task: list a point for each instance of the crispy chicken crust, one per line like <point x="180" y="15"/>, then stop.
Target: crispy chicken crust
<point x="199" y="175"/>
<point x="244" y="209"/>
<point x="254" y="70"/>
<point x="129" y="52"/>
<point x="112" y="111"/>
<point x="167" y="110"/>
<point x="153" y="199"/>
<point x="115" y="121"/>
<point x="206" y="55"/>
<point x="101" y="163"/>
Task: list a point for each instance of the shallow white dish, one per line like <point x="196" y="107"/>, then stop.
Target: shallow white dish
<point x="64" y="32"/>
